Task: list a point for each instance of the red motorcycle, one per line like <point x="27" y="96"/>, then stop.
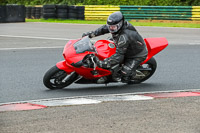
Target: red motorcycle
<point x="80" y="67"/>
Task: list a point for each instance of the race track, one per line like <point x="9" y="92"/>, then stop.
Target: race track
<point x="28" y="50"/>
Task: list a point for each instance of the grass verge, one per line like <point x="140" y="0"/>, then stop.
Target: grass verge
<point x="157" y="23"/>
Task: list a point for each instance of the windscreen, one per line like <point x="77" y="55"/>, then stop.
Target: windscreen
<point x="84" y="45"/>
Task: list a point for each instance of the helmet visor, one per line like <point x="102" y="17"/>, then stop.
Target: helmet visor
<point x="114" y="28"/>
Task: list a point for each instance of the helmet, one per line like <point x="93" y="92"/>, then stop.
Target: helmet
<point x="115" y="22"/>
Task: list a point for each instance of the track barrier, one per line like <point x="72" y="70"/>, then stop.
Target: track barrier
<point x="161" y="12"/>
<point x="99" y="12"/>
<point x="2" y="14"/>
<point x="196" y="13"/>
<point x="17" y="13"/>
<point x="56" y="12"/>
<point x="12" y="13"/>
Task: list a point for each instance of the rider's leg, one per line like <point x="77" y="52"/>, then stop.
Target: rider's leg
<point x="129" y="68"/>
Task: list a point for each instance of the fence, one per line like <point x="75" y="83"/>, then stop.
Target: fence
<point x="161" y="12"/>
<point x="196" y="13"/>
<point x="96" y="12"/>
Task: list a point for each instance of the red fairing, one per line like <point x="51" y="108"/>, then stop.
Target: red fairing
<point x="105" y="48"/>
<point x="70" y="54"/>
<point x="87" y="72"/>
<point x="63" y="65"/>
<point x="154" y="46"/>
<point x="69" y="51"/>
<point x="72" y="57"/>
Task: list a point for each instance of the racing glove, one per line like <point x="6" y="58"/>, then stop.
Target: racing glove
<point x="90" y="34"/>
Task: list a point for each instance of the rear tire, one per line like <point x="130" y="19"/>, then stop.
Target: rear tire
<point x="53" y="79"/>
<point x="145" y="71"/>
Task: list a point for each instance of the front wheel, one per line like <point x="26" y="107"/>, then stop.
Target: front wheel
<point x="144" y="71"/>
<point x="55" y="78"/>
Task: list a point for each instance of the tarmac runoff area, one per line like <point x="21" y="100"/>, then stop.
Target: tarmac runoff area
<point x="160" y="112"/>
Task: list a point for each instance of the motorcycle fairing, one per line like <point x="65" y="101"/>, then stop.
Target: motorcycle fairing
<point x="73" y="54"/>
<point x="105" y="48"/>
<point x="91" y="73"/>
<point x="75" y="51"/>
<point x="63" y="65"/>
<point x="154" y="46"/>
<point x="66" y="65"/>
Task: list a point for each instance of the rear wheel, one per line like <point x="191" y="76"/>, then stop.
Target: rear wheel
<point x="58" y="79"/>
<point x="144" y="71"/>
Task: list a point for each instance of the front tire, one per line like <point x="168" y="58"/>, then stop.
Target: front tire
<point x="55" y="78"/>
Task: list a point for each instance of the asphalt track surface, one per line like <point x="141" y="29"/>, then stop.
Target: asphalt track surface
<point x="28" y="50"/>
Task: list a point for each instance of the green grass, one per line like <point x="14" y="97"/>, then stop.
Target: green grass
<point x="66" y="21"/>
<point x="158" y="24"/>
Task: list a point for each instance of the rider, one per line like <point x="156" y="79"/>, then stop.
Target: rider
<point x="130" y="46"/>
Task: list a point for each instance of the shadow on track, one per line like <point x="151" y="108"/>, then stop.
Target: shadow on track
<point x="109" y="89"/>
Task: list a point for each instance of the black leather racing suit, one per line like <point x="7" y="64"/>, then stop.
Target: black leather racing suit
<point x="130" y="48"/>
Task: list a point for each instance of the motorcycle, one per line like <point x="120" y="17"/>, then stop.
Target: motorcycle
<point x="79" y="66"/>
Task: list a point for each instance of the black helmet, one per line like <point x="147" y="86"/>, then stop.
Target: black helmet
<point x="115" y="22"/>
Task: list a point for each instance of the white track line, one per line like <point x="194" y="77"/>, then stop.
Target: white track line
<point x="195" y="43"/>
<point x="35" y="37"/>
<point x="26" y="48"/>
